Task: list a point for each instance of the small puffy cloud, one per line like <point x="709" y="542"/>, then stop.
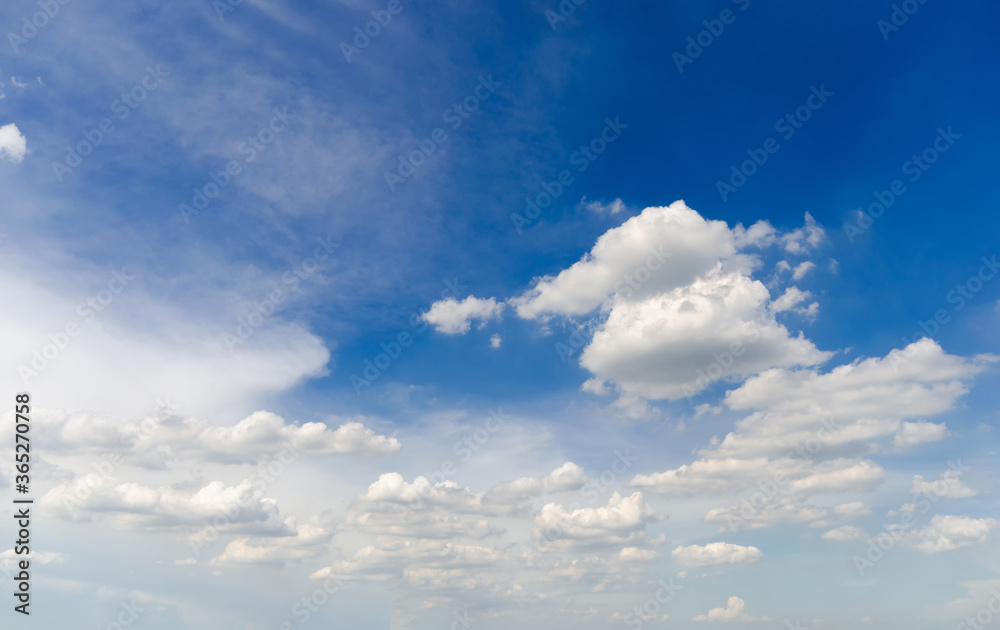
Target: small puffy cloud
<point x="597" y="207"/>
<point x="800" y="240"/>
<point x="945" y="533"/>
<point x="734" y="611"/>
<point x="913" y="433"/>
<point x="846" y="533"/>
<point x="802" y="269"/>
<point x="13" y="145"/>
<point x="949" y="485"/>
<point x="307" y="541"/>
<point x="714" y="554"/>
<point x="790" y="300"/>
<point x="349" y="438"/>
<point x="393" y="488"/>
<point x="569" y="476"/>
<point x="495" y="341"/>
<point x="705" y="408"/>
<point x="623" y="519"/>
<point x="454" y="318"/>
<point x="761" y="234"/>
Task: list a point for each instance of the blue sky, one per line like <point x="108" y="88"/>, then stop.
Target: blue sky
<point x="214" y="334"/>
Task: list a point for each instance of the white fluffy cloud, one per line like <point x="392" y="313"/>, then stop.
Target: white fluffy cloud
<point x="393" y="488"/>
<point x="241" y="508"/>
<point x="658" y="250"/>
<point x="714" y="554"/>
<point x="679" y="307"/>
<point x="734" y="611"/>
<point x="569" y="476"/>
<point x="424" y="509"/>
<point x="682" y="308"/>
<point x="802" y="269"/>
<point x="839" y="475"/>
<point x="254" y="438"/>
<point x="802" y="424"/>
<point x="623" y="519"/>
<point x="948" y="485"/>
<point x="453" y="317"/>
<point x="945" y="533"/>
<point x="674" y="344"/>
<point x="436" y="541"/>
<point x="789" y="300"/>
<point x="863" y="401"/>
<point x="13" y="145"/>
<point x="790" y="476"/>
<point x="308" y="541"/>
<point x="799" y="241"/>
<point x="913" y="433"/>
<point x="846" y="533"/>
<point x="597" y="207"/>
